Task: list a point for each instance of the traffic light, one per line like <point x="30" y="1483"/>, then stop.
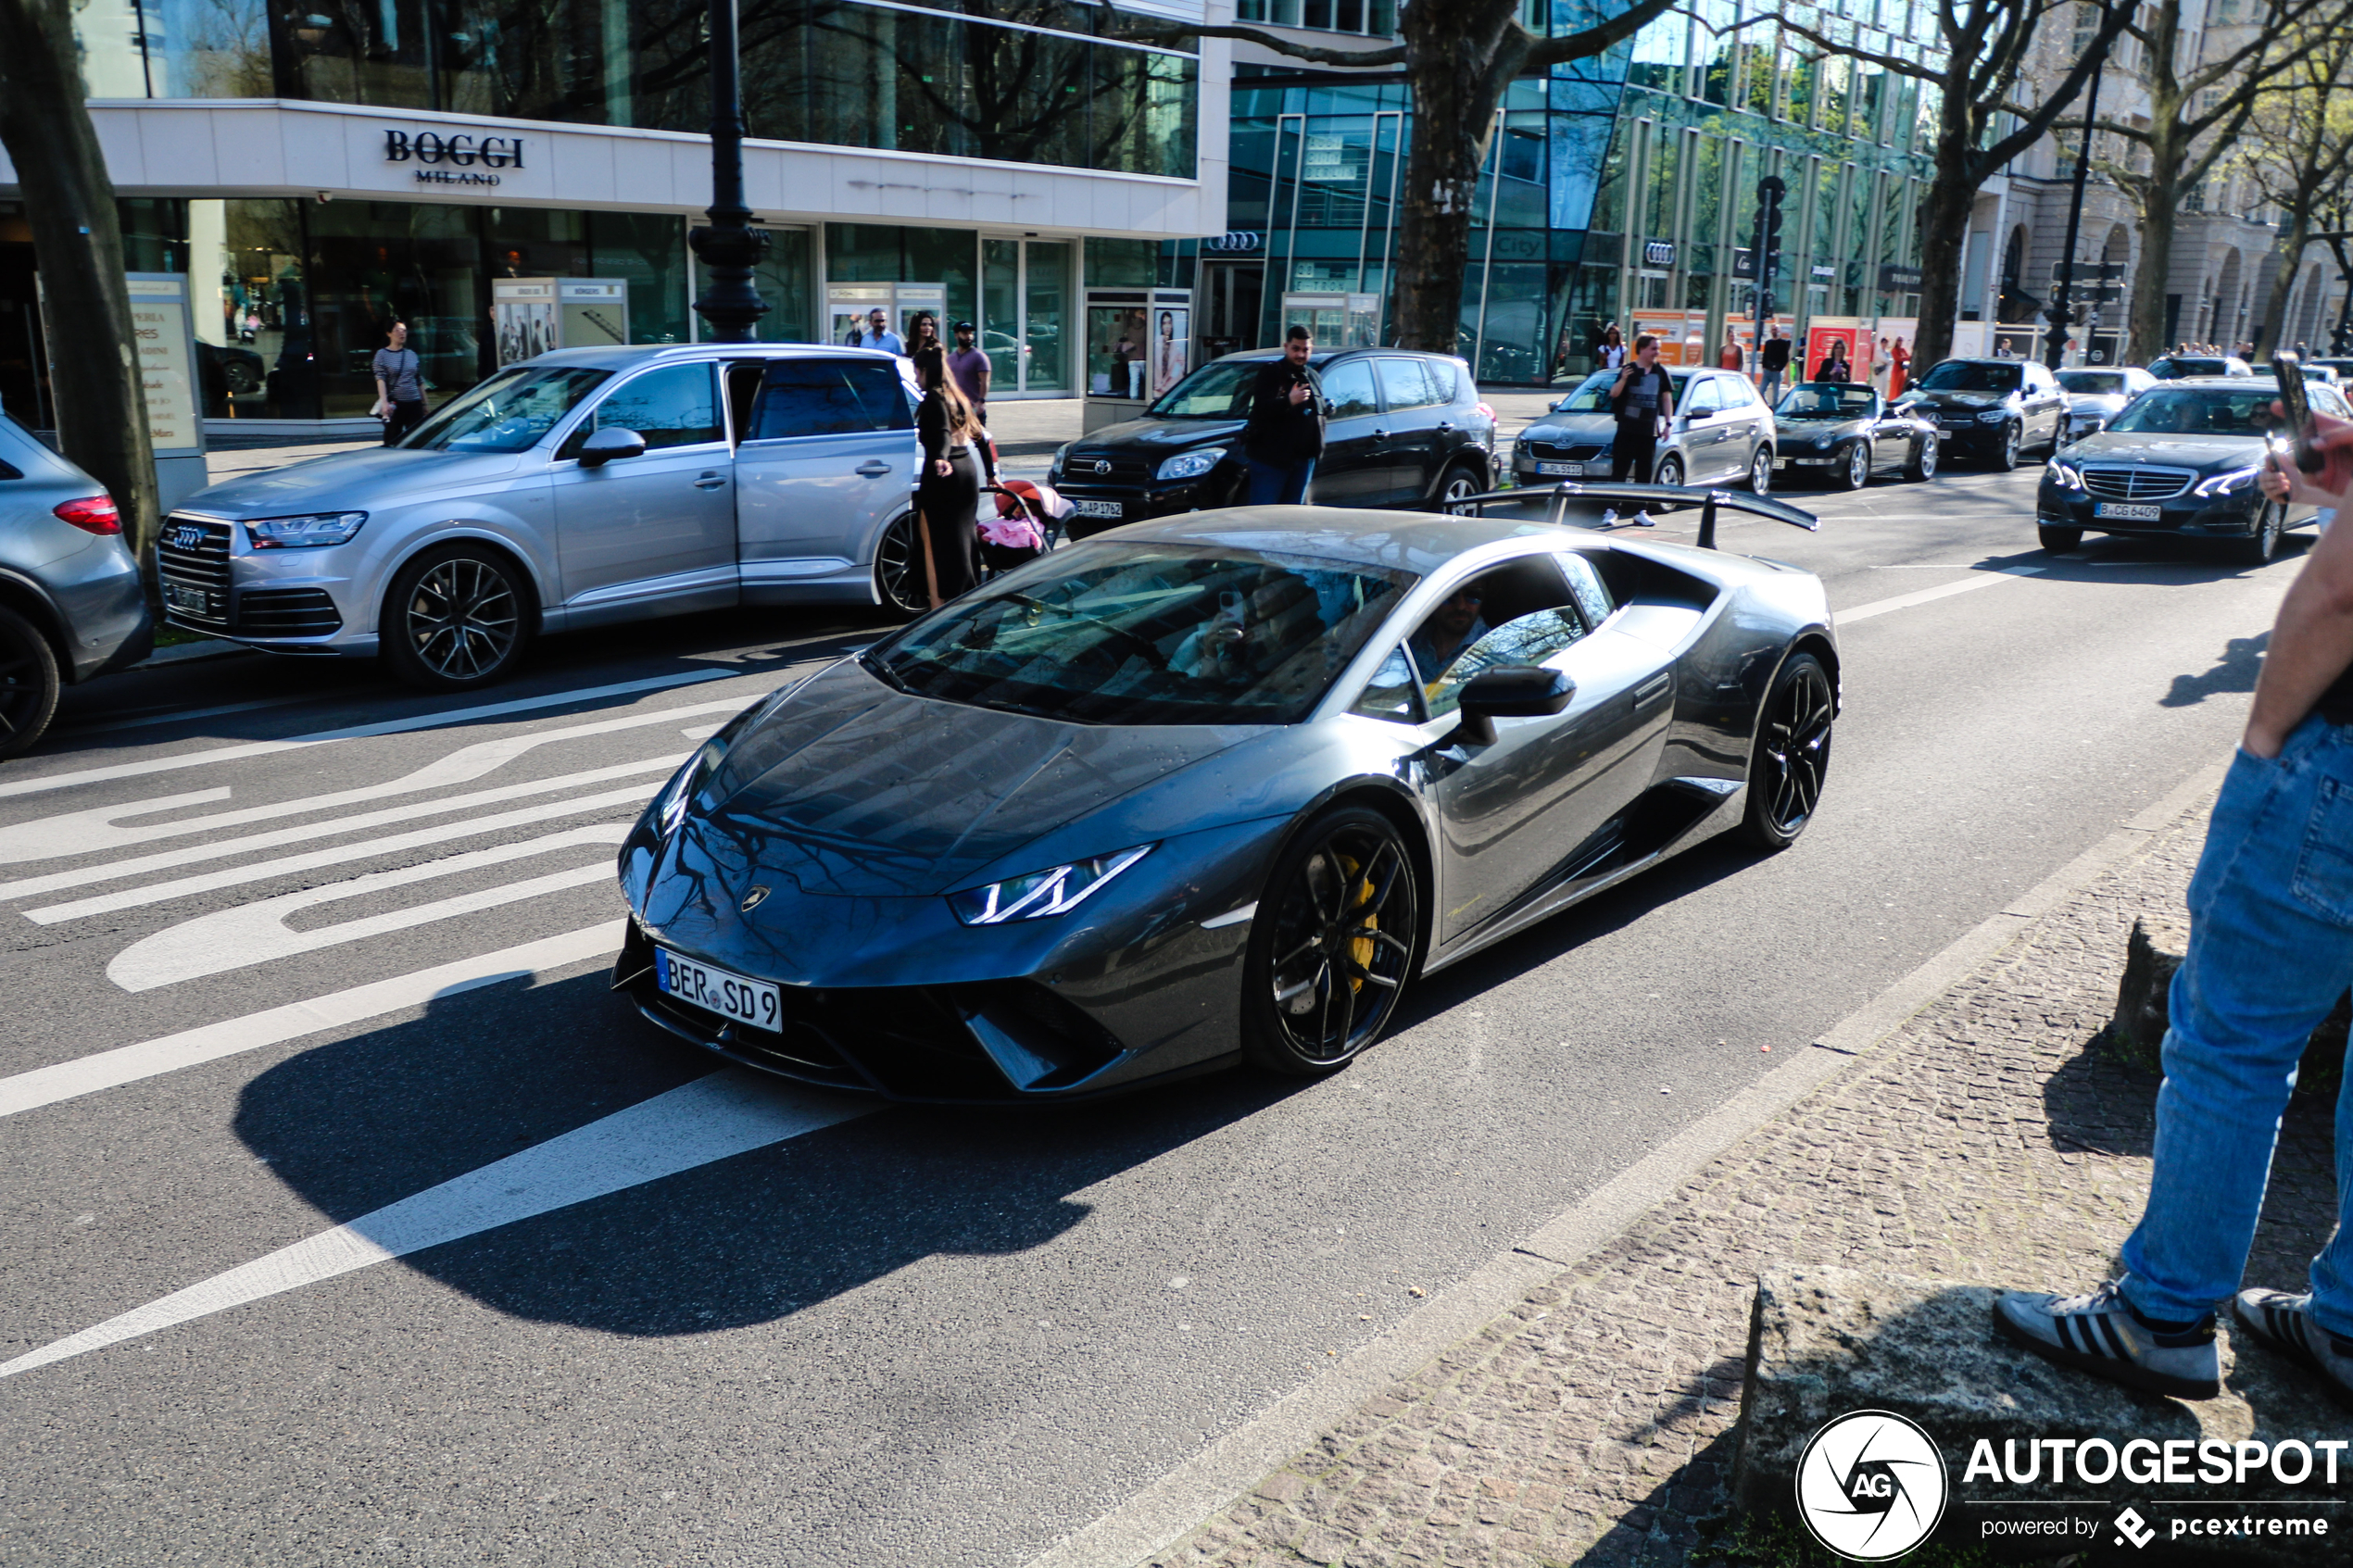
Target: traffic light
<point x="1770" y="192"/>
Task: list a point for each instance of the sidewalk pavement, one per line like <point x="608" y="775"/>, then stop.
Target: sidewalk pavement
<point x="1987" y="1139"/>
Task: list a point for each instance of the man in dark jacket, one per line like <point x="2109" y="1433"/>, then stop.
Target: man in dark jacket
<point x="1286" y="430"/>
<point x="1773" y="360"/>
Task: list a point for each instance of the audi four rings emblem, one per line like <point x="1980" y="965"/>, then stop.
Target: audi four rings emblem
<point x="185" y="538"/>
<point x="752" y="899"/>
<point x="1102" y="466"/>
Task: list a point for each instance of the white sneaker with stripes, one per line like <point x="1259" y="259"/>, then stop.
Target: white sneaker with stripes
<point x="2100" y="1334"/>
<point x="2284" y="1323"/>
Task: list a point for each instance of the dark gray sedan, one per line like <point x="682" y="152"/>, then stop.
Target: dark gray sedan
<point x="1844" y="433"/>
<point x="71" y="603"/>
<point x="1217" y="789"/>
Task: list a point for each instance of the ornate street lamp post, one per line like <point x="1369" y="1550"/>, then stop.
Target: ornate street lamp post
<point x="728" y="246"/>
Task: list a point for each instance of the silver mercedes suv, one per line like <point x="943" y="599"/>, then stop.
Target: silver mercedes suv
<point x="580" y="488"/>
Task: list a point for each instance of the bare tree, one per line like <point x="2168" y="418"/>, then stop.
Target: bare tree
<point x="2299" y="154"/>
<point x="77" y="241"/>
<point x="1982" y="49"/>
<point x="2201" y="95"/>
<point x="1459" y="56"/>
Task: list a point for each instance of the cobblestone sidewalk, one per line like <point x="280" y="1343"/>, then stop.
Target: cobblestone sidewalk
<point x="1987" y="1140"/>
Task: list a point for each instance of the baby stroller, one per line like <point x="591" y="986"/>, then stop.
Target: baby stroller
<point x="1027" y="524"/>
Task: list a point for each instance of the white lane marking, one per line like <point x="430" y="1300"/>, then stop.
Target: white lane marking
<point x="1231" y="917"/>
<point x="711" y="1119"/>
<point x="257" y="932"/>
<point x="1927" y="595"/>
<point x="358" y="732"/>
<point x="219" y="848"/>
<point x="192" y="1048"/>
<point x="367" y="848"/>
<point x="88" y="832"/>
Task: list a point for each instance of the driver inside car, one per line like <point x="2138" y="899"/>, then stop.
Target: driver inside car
<point x="1451" y="630"/>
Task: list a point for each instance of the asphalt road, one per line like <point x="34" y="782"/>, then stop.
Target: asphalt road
<point x="320" y="1240"/>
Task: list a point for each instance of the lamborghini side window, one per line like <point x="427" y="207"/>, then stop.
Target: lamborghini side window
<point x="1586" y="583"/>
<point x="1394" y="693"/>
<point x="1520" y="613"/>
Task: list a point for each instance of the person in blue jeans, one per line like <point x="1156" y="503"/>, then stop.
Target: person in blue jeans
<point x="1285" y="434"/>
<point x="2271" y="949"/>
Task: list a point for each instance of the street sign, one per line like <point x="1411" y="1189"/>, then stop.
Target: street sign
<point x="2088" y="271"/>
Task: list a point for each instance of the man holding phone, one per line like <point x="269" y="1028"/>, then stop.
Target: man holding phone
<point x="1286" y="430"/>
<point x="1643" y="400"/>
<point x="2271" y="949"/>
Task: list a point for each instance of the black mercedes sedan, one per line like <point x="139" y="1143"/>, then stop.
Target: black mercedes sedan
<point x="1844" y="433"/>
<point x="1989" y="410"/>
<point x="1405" y="430"/>
<point x="2178" y="462"/>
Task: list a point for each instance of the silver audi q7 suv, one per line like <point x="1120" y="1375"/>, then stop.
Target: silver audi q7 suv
<point x="580" y="488"/>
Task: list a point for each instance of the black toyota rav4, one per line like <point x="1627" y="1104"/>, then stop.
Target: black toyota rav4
<point x="1405" y="430"/>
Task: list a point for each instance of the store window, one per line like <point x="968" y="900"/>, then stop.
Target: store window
<point x="785" y="281"/>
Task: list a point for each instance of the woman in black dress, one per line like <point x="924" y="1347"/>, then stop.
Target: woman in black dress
<point x="947" y="497"/>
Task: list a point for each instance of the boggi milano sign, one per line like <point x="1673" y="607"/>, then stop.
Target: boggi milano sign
<point x="456" y="158"/>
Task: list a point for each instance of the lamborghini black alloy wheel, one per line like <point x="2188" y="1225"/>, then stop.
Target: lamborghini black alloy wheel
<point x="1332" y="942"/>
<point x="1793" y="754"/>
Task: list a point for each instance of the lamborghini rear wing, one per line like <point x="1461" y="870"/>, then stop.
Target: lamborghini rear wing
<point x="1665" y="497"/>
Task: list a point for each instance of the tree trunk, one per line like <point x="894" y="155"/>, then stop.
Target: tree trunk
<point x="2270" y="329"/>
<point x="1944" y="214"/>
<point x="77" y="241"/>
<point x="2156" y="260"/>
<point x="1456" y="86"/>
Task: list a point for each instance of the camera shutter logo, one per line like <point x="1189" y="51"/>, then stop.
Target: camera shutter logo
<point x="1871" y="1486"/>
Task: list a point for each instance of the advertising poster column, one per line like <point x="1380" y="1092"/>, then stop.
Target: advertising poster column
<point x="166" y="378"/>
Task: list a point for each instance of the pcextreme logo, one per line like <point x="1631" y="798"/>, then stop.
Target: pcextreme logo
<point x="1871" y="1486"/>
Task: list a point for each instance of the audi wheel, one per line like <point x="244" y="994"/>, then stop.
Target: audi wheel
<point x="457" y="617"/>
<point x="900" y="584"/>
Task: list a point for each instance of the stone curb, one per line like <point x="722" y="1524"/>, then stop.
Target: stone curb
<point x="1230" y="1468"/>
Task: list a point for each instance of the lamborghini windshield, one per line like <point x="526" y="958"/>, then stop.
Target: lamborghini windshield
<point x="1116" y="633"/>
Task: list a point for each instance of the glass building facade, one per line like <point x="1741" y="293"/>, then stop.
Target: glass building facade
<point x="1621" y="189"/>
<point x="1045" y="81"/>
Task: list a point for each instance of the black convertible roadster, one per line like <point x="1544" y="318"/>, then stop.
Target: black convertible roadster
<point x="1217" y="789"/>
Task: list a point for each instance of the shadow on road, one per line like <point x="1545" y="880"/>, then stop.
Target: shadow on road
<point x="2234" y="671"/>
<point x="355" y="1125"/>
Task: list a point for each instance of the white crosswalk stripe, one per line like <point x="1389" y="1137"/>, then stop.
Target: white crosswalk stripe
<point x="84" y="833"/>
<point x="258" y="932"/>
<point x="366" y="849"/>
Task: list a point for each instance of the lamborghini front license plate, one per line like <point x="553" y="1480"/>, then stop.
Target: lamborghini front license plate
<point x="756" y="1002"/>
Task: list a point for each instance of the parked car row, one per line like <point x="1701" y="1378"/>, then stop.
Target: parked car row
<point x="1404" y="430"/>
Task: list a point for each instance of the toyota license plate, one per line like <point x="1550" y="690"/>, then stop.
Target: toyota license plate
<point x="1097" y="509"/>
<point x="2127" y="512"/>
<point x="756" y="1002"/>
<point x="178" y="596"/>
<point x="1559" y="470"/>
